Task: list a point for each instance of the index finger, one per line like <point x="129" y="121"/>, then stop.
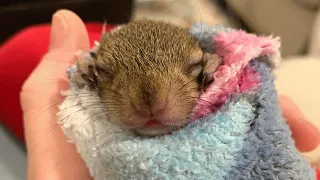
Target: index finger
<point x="306" y="136"/>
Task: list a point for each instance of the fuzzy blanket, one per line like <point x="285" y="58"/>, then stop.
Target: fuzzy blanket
<point x="240" y="134"/>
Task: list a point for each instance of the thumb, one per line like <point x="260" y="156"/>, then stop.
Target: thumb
<point x="306" y="136"/>
<point x="68" y="35"/>
<point x="68" y="32"/>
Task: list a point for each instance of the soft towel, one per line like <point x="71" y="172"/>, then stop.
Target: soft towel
<point x="240" y="134"/>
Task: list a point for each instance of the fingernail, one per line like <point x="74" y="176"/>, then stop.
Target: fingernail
<point x="58" y="32"/>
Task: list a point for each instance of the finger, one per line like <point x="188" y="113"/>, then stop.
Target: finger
<point x="306" y="136"/>
<point x="34" y="98"/>
<point x="68" y="35"/>
<point x="68" y="32"/>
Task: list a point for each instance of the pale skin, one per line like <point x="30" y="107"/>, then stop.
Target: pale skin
<point x="50" y="156"/>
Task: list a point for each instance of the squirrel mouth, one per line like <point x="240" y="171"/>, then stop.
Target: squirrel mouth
<point x="156" y="127"/>
<point x="157" y="123"/>
<point x="151" y="123"/>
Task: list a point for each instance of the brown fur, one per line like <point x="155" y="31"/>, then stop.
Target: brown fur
<point x="142" y="62"/>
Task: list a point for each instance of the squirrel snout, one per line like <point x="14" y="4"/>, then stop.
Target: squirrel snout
<point x="150" y="109"/>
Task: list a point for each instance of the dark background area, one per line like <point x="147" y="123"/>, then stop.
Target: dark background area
<point x="17" y="14"/>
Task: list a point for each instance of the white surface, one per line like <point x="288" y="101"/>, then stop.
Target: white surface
<point x="298" y="78"/>
<point x="13" y="162"/>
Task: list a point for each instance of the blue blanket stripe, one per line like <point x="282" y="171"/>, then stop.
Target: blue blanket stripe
<point x="269" y="150"/>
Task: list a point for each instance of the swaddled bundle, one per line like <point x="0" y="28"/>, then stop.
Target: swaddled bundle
<point x="240" y="134"/>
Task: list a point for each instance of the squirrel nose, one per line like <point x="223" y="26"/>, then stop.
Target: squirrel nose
<point x="155" y="108"/>
<point x="158" y="107"/>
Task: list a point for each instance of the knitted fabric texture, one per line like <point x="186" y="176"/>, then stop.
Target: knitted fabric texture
<point x="241" y="136"/>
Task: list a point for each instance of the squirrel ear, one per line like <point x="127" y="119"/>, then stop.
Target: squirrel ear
<point x="86" y="72"/>
<point x="210" y="64"/>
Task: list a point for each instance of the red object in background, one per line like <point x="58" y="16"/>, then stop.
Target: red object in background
<point x="18" y="57"/>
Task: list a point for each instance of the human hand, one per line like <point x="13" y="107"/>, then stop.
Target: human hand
<point x="306" y="136"/>
<point x="50" y="156"/>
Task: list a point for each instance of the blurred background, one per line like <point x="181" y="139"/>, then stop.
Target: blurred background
<point x="297" y="22"/>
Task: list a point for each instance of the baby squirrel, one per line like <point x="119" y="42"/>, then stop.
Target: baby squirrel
<point x="149" y="75"/>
